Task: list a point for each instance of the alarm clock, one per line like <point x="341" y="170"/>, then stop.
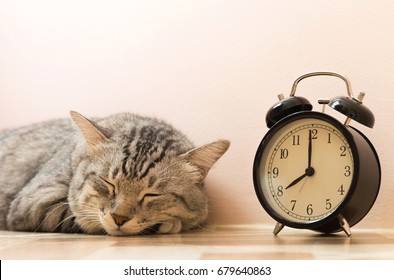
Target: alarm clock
<point x="312" y="171"/>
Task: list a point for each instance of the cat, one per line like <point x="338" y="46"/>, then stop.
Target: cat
<point x="121" y="175"/>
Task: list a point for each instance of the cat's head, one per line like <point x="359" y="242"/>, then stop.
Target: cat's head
<point x="140" y="176"/>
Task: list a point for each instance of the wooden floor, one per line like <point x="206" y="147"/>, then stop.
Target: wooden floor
<point x="221" y="243"/>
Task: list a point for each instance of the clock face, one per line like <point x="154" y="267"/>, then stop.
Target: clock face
<point x="304" y="169"/>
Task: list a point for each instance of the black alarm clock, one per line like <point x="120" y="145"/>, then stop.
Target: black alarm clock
<point x="312" y="171"/>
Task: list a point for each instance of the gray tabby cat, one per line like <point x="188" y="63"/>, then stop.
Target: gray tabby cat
<point x="120" y="175"/>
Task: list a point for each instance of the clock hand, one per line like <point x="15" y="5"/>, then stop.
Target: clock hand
<point x="302" y="185"/>
<point x="308" y="172"/>
<point x="296" y="180"/>
<point x="310" y="149"/>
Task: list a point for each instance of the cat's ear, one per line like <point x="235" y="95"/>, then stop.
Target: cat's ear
<point x="205" y="156"/>
<point x="93" y="133"/>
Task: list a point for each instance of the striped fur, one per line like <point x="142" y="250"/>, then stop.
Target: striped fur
<point x="120" y="175"/>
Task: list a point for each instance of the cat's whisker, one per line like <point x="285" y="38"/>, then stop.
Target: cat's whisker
<point x="90" y="225"/>
<point x="48" y="215"/>
<point x="69" y="217"/>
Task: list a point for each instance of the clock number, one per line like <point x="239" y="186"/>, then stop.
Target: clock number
<point x="343" y="151"/>
<point x="328" y="204"/>
<point x="309" y="209"/>
<point x="275" y="171"/>
<point x="341" y="190"/>
<point x="347" y="171"/>
<point x="284" y="153"/>
<point x="296" y="140"/>
<point x="313" y="133"/>
<point x="294" y="204"/>
<point x="280" y="191"/>
<point x="329" y="138"/>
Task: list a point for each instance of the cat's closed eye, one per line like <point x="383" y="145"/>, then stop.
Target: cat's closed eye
<point x="111" y="187"/>
<point x="149" y="197"/>
<point x="150" y="200"/>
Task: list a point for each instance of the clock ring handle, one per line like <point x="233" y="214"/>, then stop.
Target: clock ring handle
<point x="322" y="73"/>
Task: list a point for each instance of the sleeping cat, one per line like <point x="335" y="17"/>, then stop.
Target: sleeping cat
<point x="121" y="175"/>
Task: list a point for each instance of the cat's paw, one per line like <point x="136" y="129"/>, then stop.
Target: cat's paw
<point x="173" y="226"/>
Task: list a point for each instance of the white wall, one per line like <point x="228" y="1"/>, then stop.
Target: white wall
<point x="212" y="68"/>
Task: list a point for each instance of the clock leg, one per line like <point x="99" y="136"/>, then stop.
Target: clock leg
<point x="344" y="225"/>
<point x="278" y="228"/>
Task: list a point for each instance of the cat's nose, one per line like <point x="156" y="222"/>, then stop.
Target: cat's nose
<point x="119" y="220"/>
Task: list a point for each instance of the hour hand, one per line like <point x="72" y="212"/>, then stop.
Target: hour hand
<point x="308" y="172"/>
<point x="297" y="180"/>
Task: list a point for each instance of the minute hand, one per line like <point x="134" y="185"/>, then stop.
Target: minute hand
<point x="309" y="171"/>
<point x="310" y="149"/>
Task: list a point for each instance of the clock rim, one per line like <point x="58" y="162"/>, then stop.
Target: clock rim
<point x="257" y="160"/>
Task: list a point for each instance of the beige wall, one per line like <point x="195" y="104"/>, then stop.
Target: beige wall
<point x="212" y="68"/>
